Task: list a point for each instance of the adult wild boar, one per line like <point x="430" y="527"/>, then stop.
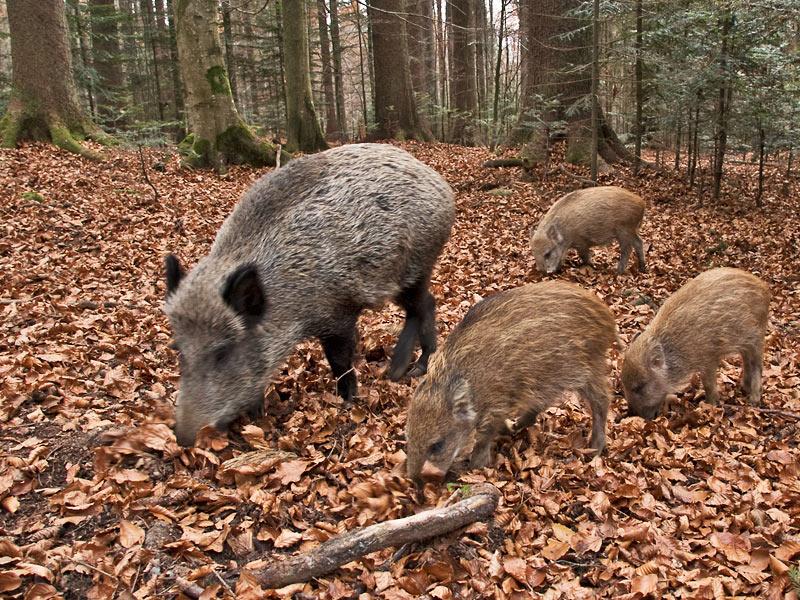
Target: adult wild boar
<point x="585" y="218"/>
<point x="514" y="355"/>
<point x="720" y="312"/>
<point x="307" y="248"/>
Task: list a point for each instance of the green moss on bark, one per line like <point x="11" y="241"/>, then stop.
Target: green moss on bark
<point x="236" y="145"/>
<point x="218" y="80"/>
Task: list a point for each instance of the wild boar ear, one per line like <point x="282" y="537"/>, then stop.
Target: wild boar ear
<point x="657" y="358"/>
<point x="460" y="396"/>
<point x="243" y="293"/>
<point x="174" y="273"/>
<point x="554" y="233"/>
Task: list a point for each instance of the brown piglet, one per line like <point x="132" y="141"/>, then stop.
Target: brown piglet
<point x="720" y="312"/>
<point x="513" y="355"/>
<point x="585" y="218"/>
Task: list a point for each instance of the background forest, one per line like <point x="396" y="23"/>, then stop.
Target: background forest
<point x="704" y="82"/>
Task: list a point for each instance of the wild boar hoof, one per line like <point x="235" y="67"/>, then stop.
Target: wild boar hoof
<point x="396" y="372"/>
<point x="417" y="370"/>
<point x="347" y="387"/>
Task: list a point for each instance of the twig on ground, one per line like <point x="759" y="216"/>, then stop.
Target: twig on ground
<point x="156" y="195"/>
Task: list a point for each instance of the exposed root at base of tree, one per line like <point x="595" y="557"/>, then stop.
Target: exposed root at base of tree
<point x="237" y="145"/>
<point x="21" y="122"/>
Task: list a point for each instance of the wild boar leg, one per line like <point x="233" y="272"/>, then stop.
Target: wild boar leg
<point x="710" y="385"/>
<point x="751" y="374"/>
<point x="527" y="419"/>
<point x="596" y="395"/>
<point x="340" y="350"/>
<point x="586" y="255"/>
<point x="639" y="247"/>
<point x="419" y="306"/>
<point x="624" y="252"/>
<point x="482" y="452"/>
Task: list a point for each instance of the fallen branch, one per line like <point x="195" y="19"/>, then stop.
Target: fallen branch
<point x="342" y="549"/>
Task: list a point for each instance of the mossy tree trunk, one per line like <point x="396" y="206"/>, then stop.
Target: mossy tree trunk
<point x="302" y="128"/>
<point x="217" y="136"/>
<point x="44" y="100"/>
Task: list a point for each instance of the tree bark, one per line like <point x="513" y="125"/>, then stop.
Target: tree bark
<point x="217" y="134"/>
<point x="44" y="100"/>
<point x="152" y="44"/>
<point x="639" y="93"/>
<point x="422" y="55"/>
<point x="84" y="55"/>
<point x="302" y="128"/>
<point x="106" y="60"/>
<point x="331" y="122"/>
<point x="396" y="113"/>
<point x="463" y="92"/>
<point x="338" y="78"/>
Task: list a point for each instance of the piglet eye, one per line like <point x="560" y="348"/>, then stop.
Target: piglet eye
<point x="173" y="345"/>
<point x="547" y="254"/>
<point x="436" y="447"/>
<point x="637" y="389"/>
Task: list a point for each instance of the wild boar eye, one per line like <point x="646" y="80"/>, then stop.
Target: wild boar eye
<point x="173" y="345"/>
<point x="436" y="447"/>
<point x="547" y="254"/>
<point x="637" y="389"/>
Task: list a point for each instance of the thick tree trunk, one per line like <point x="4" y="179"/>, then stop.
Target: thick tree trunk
<point x="106" y="60"/>
<point x="556" y="68"/>
<point x="216" y="133"/>
<point x="395" y="107"/>
<point x="338" y="77"/>
<point x="463" y="92"/>
<point x="302" y="127"/>
<point x="361" y="59"/>
<point x="152" y="45"/>
<point x="44" y="101"/>
<point x="331" y="122"/>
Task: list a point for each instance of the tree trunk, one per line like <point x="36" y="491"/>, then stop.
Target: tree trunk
<point x="177" y="86"/>
<point x="151" y="43"/>
<point x="361" y="57"/>
<point x="557" y="81"/>
<point x="106" y="60"/>
<point x="422" y="54"/>
<point x="761" y="151"/>
<point x="595" y="100"/>
<point x="302" y="127"/>
<point x="331" y="122"/>
<point x="498" y="63"/>
<point x="639" y="95"/>
<point x="395" y="107"/>
<point x="444" y="101"/>
<point x="217" y="134"/>
<point x="723" y="105"/>
<point x="463" y="92"/>
<point x="230" y="57"/>
<point x="84" y="79"/>
<point x="44" y="101"/>
<point x="479" y="14"/>
<point x="338" y="78"/>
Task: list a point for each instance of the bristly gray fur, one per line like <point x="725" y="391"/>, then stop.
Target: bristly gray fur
<point x="330" y="235"/>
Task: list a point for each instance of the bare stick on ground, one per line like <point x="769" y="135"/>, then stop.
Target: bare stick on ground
<point x="342" y="549"/>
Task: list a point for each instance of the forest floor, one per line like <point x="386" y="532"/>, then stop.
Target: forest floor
<point x="98" y="501"/>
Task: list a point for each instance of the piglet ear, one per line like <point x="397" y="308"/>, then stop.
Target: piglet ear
<point x="243" y="293"/>
<point x="460" y="396"/>
<point x="554" y="233"/>
<point x="174" y="273"/>
<point x="657" y="357"/>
